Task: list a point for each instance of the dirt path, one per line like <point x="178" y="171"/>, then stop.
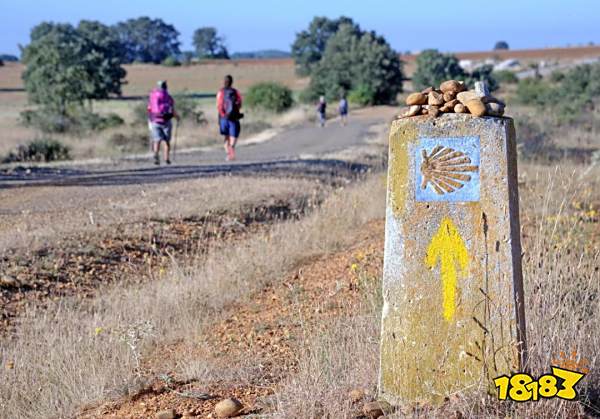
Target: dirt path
<point x="298" y="150"/>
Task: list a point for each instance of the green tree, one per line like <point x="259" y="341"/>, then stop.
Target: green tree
<point x="310" y="44"/>
<point x="434" y="67"/>
<point x="501" y="45"/>
<point x="64" y="67"/>
<point x="110" y="73"/>
<point x="209" y="44"/>
<point x="147" y="40"/>
<point x="357" y="60"/>
<point x="57" y="62"/>
<point x="9" y="57"/>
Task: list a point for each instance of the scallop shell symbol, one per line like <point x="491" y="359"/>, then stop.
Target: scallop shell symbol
<point x="446" y="169"/>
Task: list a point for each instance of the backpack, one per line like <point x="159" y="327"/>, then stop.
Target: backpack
<point x="231" y="107"/>
<point x="343" y="106"/>
<point x="160" y="106"/>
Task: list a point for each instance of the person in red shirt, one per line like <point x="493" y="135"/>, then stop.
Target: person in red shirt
<point x="229" y="104"/>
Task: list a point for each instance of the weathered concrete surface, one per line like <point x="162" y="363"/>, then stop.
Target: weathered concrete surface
<point x="452" y="272"/>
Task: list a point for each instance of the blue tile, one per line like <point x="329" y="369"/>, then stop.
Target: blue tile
<point x="451" y="180"/>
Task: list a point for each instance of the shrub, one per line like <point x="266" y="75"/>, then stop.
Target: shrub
<point x="135" y="141"/>
<point x="505" y="77"/>
<point x="171" y="62"/>
<point x="188" y="109"/>
<point x="47" y="121"/>
<point x="568" y="95"/>
<point x="269" y="96"/>
<point x="45" y="150"/>
<point x="557" y="76"/>
<point x="534" y="92"/>
<point x="78" y="120"/>
<point x="89" y="121"/>
<point x="362" y="95"/>
<point x="434" y="67"/>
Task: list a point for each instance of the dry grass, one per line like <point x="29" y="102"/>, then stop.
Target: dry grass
<point x="36" y="217"/>
<point x="79" y="352"/>
<point x="562" y="283"/>
<point x="204" y="78"/>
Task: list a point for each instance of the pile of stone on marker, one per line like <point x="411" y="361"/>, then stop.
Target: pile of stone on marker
<point x="453" y="97"/>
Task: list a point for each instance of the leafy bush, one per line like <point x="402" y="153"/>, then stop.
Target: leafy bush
<point x="505" y="77"/>
<point x="572" y="92"/>
<point x="534" y="92"/>
<point x="76" y="120"/>
<point x="557" y="76"/>
<point x="45" y="150"/>
<point x="171" y="62"/>
<point x="269" y="96"/>
<point x="188" y="109"/>
<point x="434" y="67"/>
<point x="47" y="121"/>
<point x="89" y="121"/>
<point x="136" y="141"/>
<point x="362" y="95"/>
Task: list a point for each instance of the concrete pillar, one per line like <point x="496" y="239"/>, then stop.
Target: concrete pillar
<point x="453" y="315"/>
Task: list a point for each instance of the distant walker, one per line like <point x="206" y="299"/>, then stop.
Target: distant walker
<point x="161" y="110"/>
<point x="229" y="104"/>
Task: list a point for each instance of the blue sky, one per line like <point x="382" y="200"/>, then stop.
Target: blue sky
<point x="460" y="25"/>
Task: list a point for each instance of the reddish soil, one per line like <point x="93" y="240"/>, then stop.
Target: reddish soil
<point x="262" y="335"/>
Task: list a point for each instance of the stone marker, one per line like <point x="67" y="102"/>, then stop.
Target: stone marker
<point x="453" y="315"/>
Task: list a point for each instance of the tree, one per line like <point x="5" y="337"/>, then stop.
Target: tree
<point x="63" y="67"/>
<point x="106" y="42"/>
<point x="434" y="67"/>
<point x="147" y="40"/>
<point x="501" y="45"/>
<point x="357" y="60"/>
<point x="310" y="44"/>
<point x="209" y="44"/>
<point x="9" y="57"/>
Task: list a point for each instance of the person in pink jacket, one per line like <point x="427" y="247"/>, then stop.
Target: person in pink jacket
<point x="161" y="110"/>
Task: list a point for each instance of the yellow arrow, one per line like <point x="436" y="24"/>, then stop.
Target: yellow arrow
<point x="449" y="247"/>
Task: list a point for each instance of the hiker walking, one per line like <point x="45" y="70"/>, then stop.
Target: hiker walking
<point x="343" y="109"/>
<point x="161" y="110"/>
<point x="321" y="111"/>
<point x="229" y="104"/>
